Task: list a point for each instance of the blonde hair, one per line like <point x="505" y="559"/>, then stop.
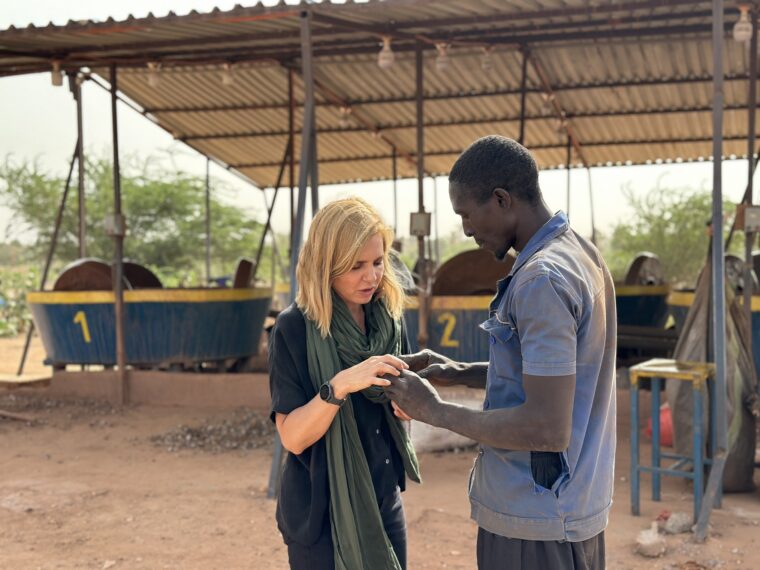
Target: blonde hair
<point x="337" y="235"/>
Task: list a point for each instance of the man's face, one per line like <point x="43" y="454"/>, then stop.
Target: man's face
<point x="489" y="223"/>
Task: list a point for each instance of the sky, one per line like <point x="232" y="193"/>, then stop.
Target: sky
<point x="38" y="122"/>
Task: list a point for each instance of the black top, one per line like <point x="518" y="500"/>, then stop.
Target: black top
<point x="303" y="502"/>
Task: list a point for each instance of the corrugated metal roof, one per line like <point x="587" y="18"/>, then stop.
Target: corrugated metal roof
<point x="633" y="77"/>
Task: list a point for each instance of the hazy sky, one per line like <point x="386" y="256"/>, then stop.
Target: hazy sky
<point x="39" y="122"/>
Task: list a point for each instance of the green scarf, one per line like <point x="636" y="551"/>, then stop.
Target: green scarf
<point x="359" y="539"/>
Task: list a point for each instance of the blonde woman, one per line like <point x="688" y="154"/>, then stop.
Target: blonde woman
<point x="339" y="503"/>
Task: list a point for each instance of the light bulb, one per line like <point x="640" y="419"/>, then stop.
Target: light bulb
<point x="343" y="122"/>
<point x="743" y="27"/>
<point x="386" y="57"/>
<point x="548" y="105"/>
<point x="227" y="77"/>
<point x="486" y="63"/>
<point x="56" y="77"/>
<point x="442" y="61"/>
<point x="153" y="77"/>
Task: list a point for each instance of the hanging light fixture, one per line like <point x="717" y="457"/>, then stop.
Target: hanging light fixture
<point x="56" y="77"/>
<point x="486" y="64"/>
<point x="386" y="57"/>
<point x="153" y="77"/>
<point x="548" y="104"/>
<point x="442" y="61"/>
<point x="743" y="27"/>
<point x="228" y="78"/>
<point x="343" y="122"/>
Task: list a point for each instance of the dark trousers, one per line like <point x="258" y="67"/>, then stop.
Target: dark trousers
<point x="320" y="556"/>
<point x="501" y="553"/>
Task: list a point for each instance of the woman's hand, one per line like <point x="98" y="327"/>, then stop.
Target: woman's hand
<point x="366" y="374"/>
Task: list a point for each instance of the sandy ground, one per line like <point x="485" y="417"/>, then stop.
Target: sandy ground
<point x="10" y="356"/>
<point x="85" y="488"/>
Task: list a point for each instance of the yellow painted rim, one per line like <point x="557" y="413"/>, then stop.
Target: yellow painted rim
<point x="680" y="299"/>
<point x="147" y="296"/>
<point x="685" y="299"/>
<point x="641" y="290"/>
<point x="453" y="303"/>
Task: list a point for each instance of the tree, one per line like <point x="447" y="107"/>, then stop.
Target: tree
<point x="164" y="208"/>
<point x="670" y="222"/>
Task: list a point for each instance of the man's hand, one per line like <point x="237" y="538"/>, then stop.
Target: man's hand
<point x="414" y="395"/>
<point x="435" y="367"/>
<point x="448" y="374"/>
<point x="423" y="359"/>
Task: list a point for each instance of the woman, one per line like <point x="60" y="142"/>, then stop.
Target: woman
<point x="339" y="500"/>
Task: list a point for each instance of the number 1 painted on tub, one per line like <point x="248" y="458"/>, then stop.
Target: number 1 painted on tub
<point x="81" y="319"/>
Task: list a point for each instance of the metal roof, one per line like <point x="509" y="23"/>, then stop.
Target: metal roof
<point x="633" y="79"/>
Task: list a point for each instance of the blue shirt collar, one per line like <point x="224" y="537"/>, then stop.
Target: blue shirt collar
<point x="556" y="225"/>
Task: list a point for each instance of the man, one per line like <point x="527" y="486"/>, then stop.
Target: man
<point x="541" y="486"/>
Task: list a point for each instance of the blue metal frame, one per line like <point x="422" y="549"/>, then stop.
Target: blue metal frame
<point x="698" y="460"/>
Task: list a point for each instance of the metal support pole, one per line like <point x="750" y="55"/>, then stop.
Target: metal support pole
<point x="314" y="174"/>
<point x="208" y="220"/>
<point x="718" y="294"/>
<point x="270" y="210"/>
<point x="523" y="83"/>
<point x="77" y="89"/>
<point x="51" y="252"/>
<point x="749" y="237"/>
<point x="394" y="176"/>
<point x="656" y="477"/>
<point x="304" y="168"/>
<point x="422" y="337"/>
<point x="591" y="206"/>
<point x="118" y="264"/>
<point x="635" y="451"/>
<point x="292" y="161"/>
<point x="569" y="160"/>
<point x="435" y="214"/>
<point x="305" y="171"/>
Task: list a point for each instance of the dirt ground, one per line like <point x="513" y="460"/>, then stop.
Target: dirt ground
<point x="85" y="487"/>
<point x="10" y="355"/>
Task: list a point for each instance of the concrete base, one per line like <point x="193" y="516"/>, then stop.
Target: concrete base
<point x="166" y="388"/>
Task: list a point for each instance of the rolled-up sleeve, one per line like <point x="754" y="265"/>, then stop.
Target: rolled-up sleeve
<point x="285" y="383"/>
<point x="545" y="315"/>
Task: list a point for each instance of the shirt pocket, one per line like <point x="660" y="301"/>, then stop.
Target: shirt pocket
<point x="505" y="356"/>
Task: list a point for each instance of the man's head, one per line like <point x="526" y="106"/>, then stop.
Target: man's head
<point x="492" y="185"/>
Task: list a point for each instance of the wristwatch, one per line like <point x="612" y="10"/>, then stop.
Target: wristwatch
<point x="327" y="395"/>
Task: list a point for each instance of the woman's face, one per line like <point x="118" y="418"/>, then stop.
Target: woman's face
<point x="357" y="286"/>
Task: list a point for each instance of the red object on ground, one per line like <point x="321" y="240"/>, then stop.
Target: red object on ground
<point x="666" y="427"/>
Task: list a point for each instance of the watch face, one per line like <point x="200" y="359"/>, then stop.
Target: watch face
<point x="324" y="392"/>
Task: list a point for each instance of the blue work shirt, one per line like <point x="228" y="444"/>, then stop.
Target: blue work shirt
<point x="553" y="315"/>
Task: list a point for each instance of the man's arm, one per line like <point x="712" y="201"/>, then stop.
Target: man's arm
<point x="444" y="371"/>
<point x="542" y="423"/>
<point x="472" y="374"/>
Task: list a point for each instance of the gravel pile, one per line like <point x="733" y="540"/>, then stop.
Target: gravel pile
<point x="245" y="430"/>
<point x="75" y="407"/>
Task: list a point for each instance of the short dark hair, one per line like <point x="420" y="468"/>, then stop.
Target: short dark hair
<point x="497" y="162"/>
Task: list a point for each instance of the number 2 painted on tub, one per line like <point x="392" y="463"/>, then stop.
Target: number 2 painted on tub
<point x="450" y="321"/>
<point x="81" y="319"/>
